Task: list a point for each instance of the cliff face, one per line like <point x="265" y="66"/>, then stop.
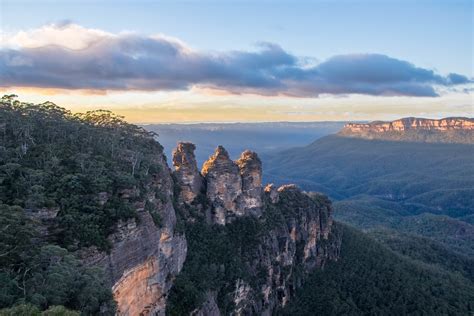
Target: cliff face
<point x="291" y="249"/>
<point x="145" y="257"/>
<point x="289" y="236"/>
<point x="452" y="129"/>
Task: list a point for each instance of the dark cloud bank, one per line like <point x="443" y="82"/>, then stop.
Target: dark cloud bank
<point x="132" y="62"/>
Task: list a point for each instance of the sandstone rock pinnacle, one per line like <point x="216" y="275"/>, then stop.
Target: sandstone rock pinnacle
<point x="186" y="172"/>
<point x="251" y="172"/>
<point x="224" y="186"/>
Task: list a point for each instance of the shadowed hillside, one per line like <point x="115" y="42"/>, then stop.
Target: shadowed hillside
<point x="420" y="188"/>
<point x="372" y="280"/>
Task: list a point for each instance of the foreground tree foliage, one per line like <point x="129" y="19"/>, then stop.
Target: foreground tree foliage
<point x="31" y="310"/>
<point x="54" y="168"/>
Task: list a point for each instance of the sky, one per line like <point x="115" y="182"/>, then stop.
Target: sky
<point x="227" y="61"/>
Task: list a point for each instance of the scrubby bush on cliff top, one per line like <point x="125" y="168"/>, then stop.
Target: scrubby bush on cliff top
<point x="57" y="165"/>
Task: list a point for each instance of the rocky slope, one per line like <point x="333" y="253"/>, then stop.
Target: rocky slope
<point x="451" y="129"/>
<point x="262" y="242"/>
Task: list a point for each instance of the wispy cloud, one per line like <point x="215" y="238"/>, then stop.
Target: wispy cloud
<point x="69" y="56"/>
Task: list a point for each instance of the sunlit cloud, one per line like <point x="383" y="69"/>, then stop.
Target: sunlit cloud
<point x="72" y="57"/>
<point x="63" y="34"/>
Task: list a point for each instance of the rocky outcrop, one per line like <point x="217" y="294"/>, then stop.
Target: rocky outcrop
<point x="271" y="192"/>
<point x="186" y="173"/>
<point x="451" y="129"/>
<point x="232" y="188"/>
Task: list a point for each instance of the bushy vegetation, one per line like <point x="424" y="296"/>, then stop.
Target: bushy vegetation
<point x="371" y="213"/>
<point x="427" y="251"/>
<point x="369" y="279"/>
<point x="31" y="310"/>
<point x="65" y="180"/>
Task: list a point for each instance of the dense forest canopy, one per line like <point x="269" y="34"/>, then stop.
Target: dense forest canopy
<point x="54" y="166"/>
<point x="369" y="279"/>
<point x="426" y="189"/>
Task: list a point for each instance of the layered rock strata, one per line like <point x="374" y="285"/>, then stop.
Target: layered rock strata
<point x="448" y="130"/>
<point x="445" y="124"/>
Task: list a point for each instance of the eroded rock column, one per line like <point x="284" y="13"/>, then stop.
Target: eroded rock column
<point x="251" y="172"/>
<point x="224" y="186"/>
<point x="187" y="175"/>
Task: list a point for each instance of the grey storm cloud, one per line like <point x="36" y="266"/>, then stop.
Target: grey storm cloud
<point x="133" y="62"/>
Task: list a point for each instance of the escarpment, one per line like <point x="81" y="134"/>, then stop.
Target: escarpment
<point x="450" y="129"/>
<point x="147" y="252"/>
<point x="249" y="248"/>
